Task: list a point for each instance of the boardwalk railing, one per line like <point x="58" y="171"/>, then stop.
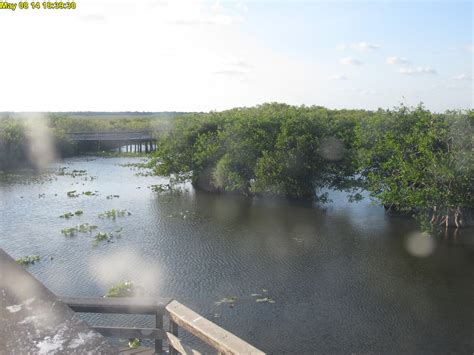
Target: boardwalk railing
<point x="111" y="136"/>
<point x="178" y="316"/>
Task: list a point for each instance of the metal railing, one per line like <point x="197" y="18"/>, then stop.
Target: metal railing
<point x="179" y="316"/>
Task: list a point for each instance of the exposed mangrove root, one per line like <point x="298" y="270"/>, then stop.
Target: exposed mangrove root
<point x="450" y="218"/>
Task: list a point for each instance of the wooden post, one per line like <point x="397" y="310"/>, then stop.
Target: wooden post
<point x="174" y="331"/>
<point x="159" y="325"/>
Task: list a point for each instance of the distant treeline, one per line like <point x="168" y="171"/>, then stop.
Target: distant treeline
<point x="18" y="129"/>
<point x="411" y="160"/>
<point x="97" y="114"/>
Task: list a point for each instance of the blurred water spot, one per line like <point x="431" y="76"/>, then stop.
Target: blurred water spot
<point x="332" y="148"/>
<point x="420" y="244"/>
<point x="41" y="147"/>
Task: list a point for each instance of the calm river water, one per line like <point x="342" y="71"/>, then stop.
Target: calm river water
<point x="341" y="277"/>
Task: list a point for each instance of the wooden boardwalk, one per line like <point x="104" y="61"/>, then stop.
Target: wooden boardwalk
<point x="131" y="141"/>
<point x="123" y="136"/>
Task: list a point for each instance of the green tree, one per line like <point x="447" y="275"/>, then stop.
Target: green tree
<point x="419" y="163"/>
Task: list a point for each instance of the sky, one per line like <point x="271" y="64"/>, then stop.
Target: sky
<point x="183" y="55"/>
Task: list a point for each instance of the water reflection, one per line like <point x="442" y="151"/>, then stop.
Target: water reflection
<point x="341" y="276"/>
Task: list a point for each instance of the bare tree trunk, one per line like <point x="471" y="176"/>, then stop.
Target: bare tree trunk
<point x="443" y="220"/>
<point x="458" y="217"/>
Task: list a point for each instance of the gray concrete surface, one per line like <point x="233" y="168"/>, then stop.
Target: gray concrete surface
<point x="33" y="321"/>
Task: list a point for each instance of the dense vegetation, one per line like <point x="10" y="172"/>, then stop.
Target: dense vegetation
<point x="420" y="163"/>
<point x="411" y="160"/>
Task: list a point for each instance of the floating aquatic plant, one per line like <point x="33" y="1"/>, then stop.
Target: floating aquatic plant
<point x="72" y="194"/>
<point x="110" y="197"/>
<point x="69" y="231"/>
<point x="265" y="299"/>
<point x="134" y="343"/>
<point x="227" y="300"/>
<point x="106" y="237"/>
<point x="113" y="213"/>
<point x="125" y="289"/>
<point x="90" y="193"/>
<point x="102" y="236"/>
<point x="261" y="298"/>
<point x="28" y="260"/>
<point x="75" y="173"/>
<point x="82" y="228"/>
<point x="160" y="187"/>
<point x="68" y="215"/>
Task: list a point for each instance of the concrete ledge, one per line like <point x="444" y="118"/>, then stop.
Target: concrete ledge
<point x="33" y="320"/>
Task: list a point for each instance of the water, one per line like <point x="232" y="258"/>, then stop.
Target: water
<point x="341" y="276"/>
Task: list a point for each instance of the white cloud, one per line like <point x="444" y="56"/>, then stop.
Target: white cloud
<point x="397" y="60"/>
<point x="360" y="46"/>
<point x="350" y="61"/>
<point x="363" y="46"/>
<point x="338" y="77"/>
<point x="233" y="67"/>
<point x="417" y="71"/>
<point x="239" y="63"/>
<point x="470" y="48"/>
<point x="462" y="77"/>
